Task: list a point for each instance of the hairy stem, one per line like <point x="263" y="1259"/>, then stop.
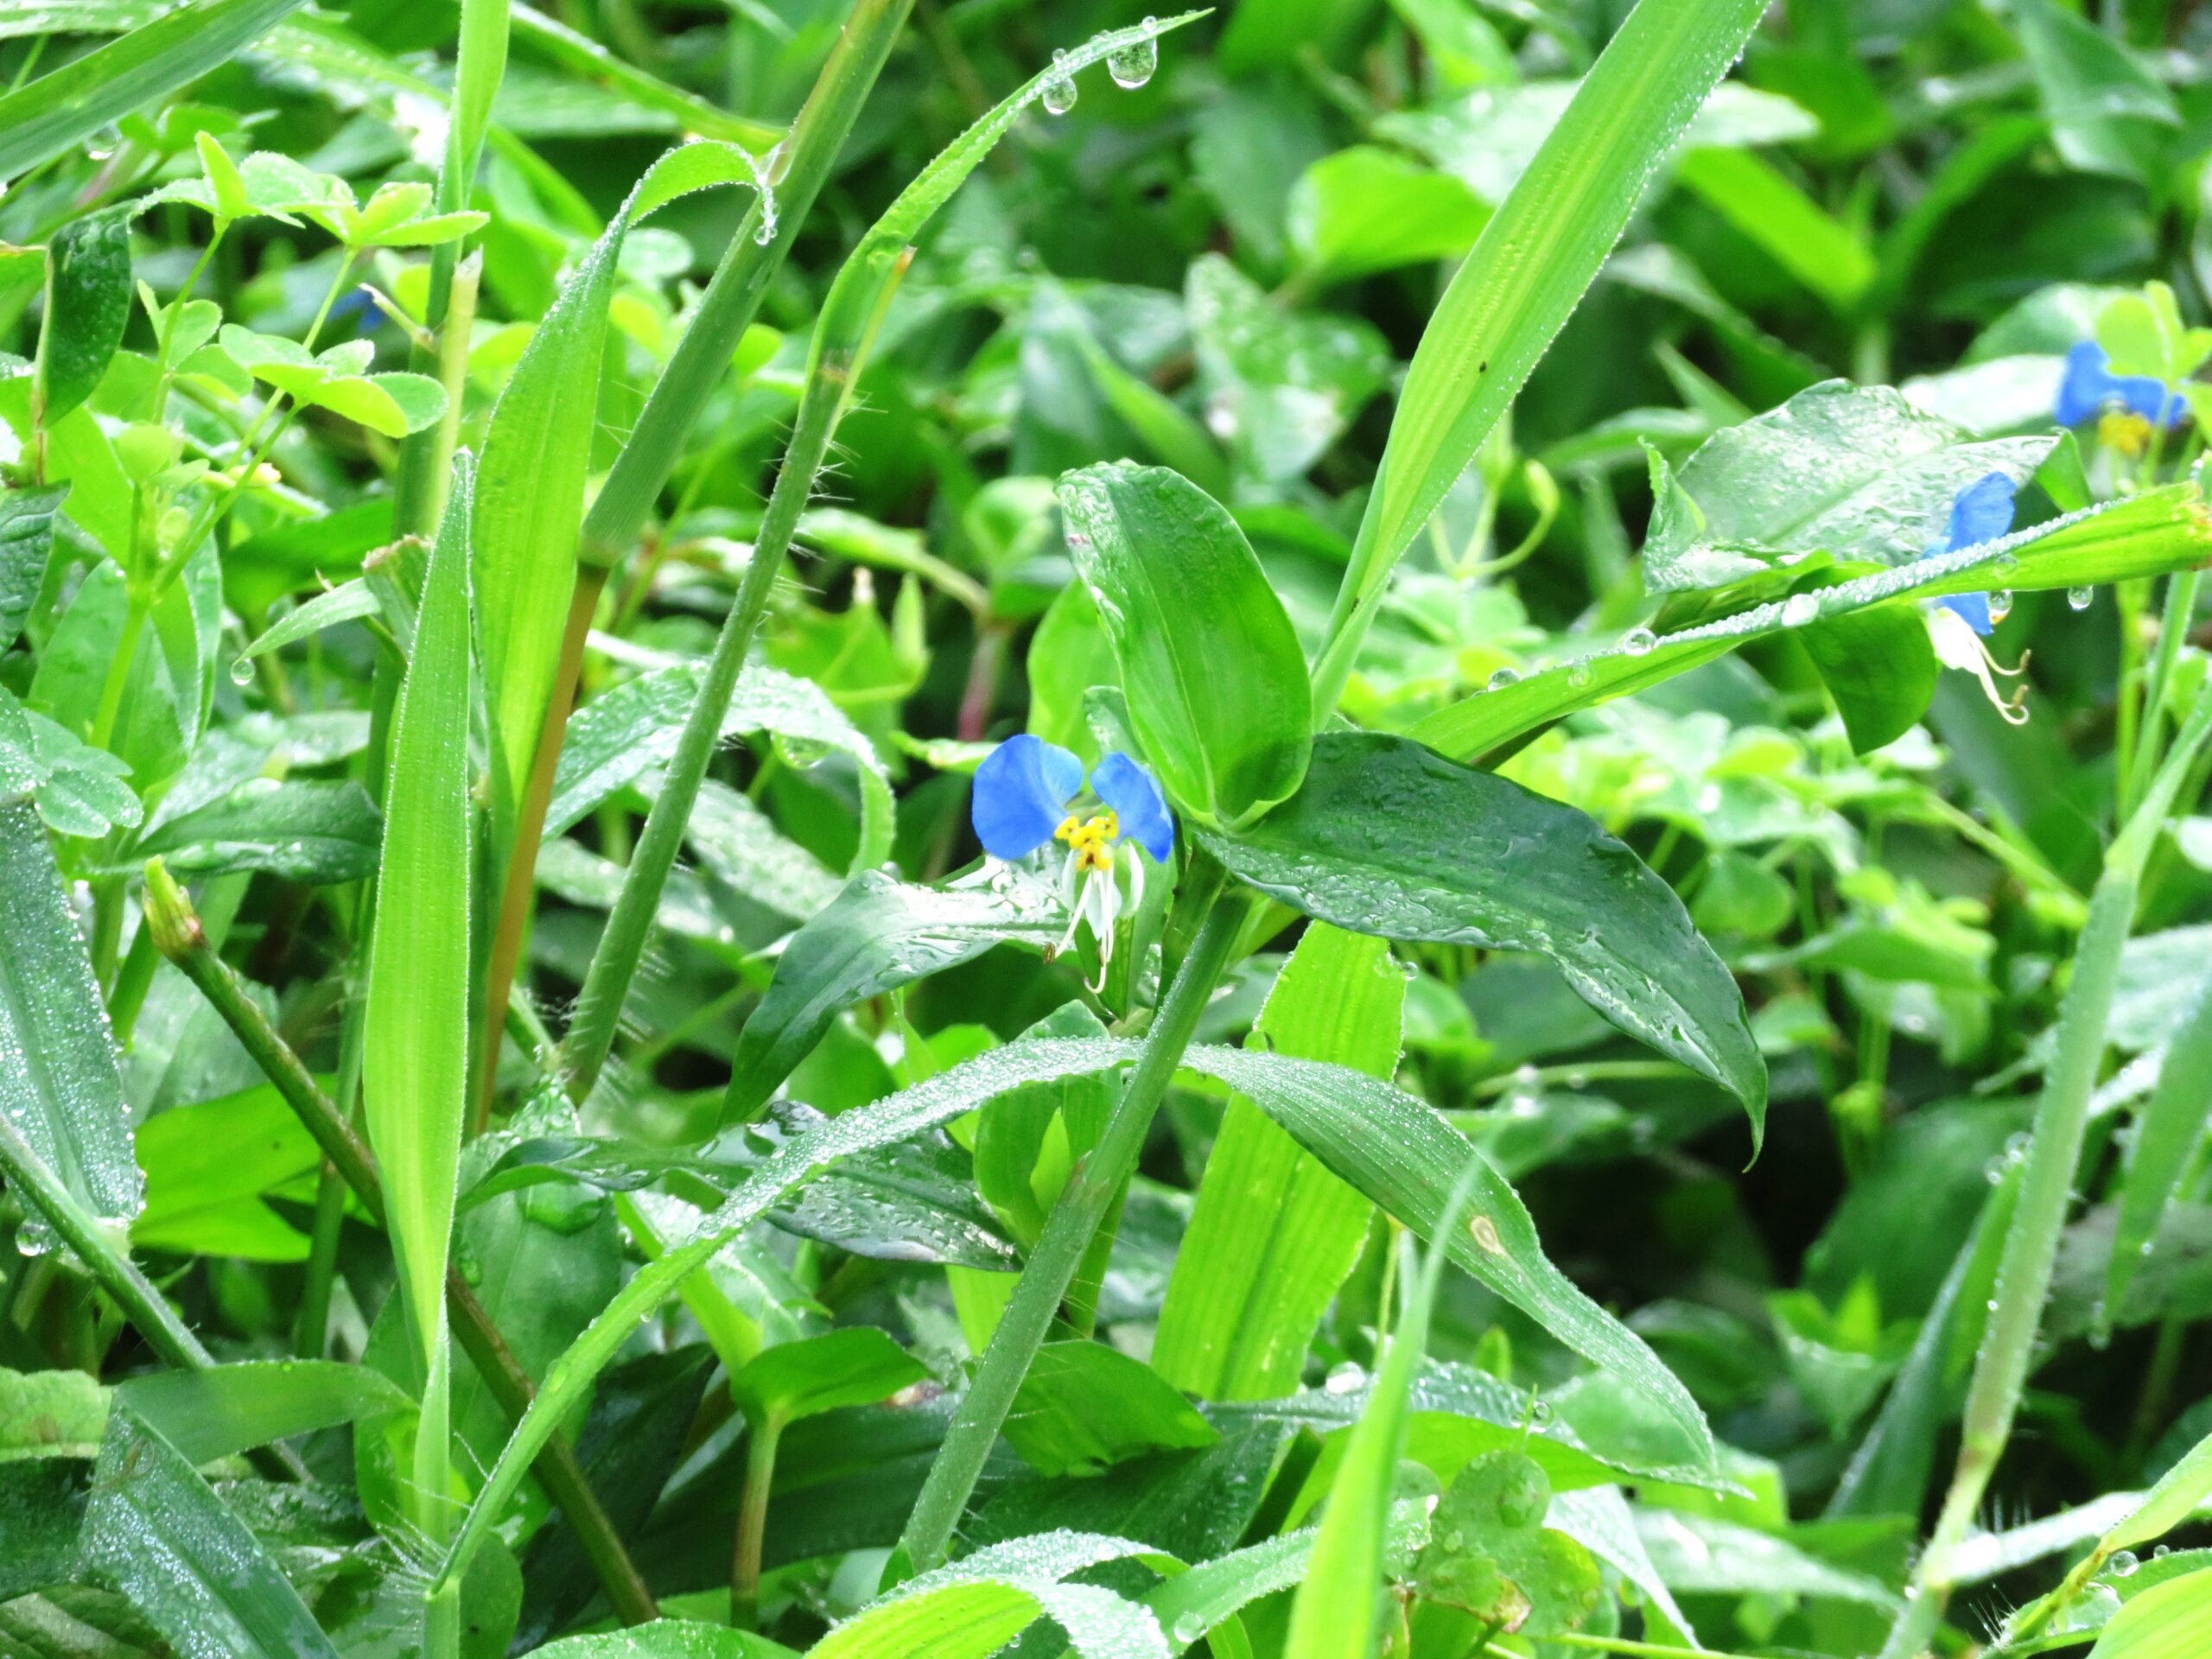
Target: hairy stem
<point x="179" y="935"/>
<point x="1083" y="1204"/>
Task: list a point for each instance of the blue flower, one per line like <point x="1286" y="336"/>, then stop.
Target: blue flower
<point x="1023" y="791"/>
<point x="1960" y="622"/>
<point x="2089" y="388"/>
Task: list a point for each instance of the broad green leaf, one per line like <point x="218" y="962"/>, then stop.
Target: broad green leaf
<point x="1083" y="1406"/>
<point x="155" y="1531"/>
<point x="1527" y="273"/>
<point x="415" y="1060"/>
<point x="1214" y="678"/>
<point x="26" y="544"/>
<point x="2106" y="111"/>
<point x="57" y="111"/>
<point x="856" y="1366"/>
<point x="1366" y="209"/>
<point x="79" y="790"/>
<point x="667" y="1638"/>
<point x="305" y="829"/>
<point x="1854" y="472"/>
<point x="50" y="1414"/>
<point x="1491" y="1559"/>
<point x="1880" y="667"/>
<point x="1389" y="838"/>
<point x="87" y="303"/>
<point x="1700" y="1555"/>
<point x="976" y="1605"/>
<point x="2168" y="1126"/>
<point x="1756" y="198"/>
<point x="211" y="1413"/>
<point x="1191" y="1605"/>
<point x="880" y="934"/>
<point x="2168" y="1621"/>
<point x="2150" y="534"/>
<point x="1337" y="1610"/>
<point x="208" y="1166"/>
<point x="391" y="405"/>
<point x="617" y="738"/>
<point x="1394" y="1147"/>
<point x="1273" y="1234"/>
<point x="58" y="1083"/>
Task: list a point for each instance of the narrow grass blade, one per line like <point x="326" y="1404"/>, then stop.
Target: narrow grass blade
<point x="2167" y="1130"/>
<point x="59" y="1084"/>
<point x="38" y="122"/>
<point x="414" y="1061"/>
<point x="1273" y="1233"/>
<point x="1526" y="274"/>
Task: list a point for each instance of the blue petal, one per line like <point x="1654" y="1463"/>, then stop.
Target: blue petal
<point x="1021" y="794"/>
<point x="2089" y="386"/>
<point x="1974" y="607"/>
<point x="1138" y="804"/>
<point x="1980" y="512"/>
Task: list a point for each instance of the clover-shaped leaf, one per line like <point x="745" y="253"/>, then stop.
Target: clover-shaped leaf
<point x="394" y="218"/>
<point x="1489" y="1554"/>
<point x="79" y="790"/>
<point x="263" y="186"/>
<point x="391" y="405"/>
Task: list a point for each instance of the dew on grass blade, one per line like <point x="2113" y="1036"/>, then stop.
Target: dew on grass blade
<point x="1132" y="65"/>
<point x="1059" y="96"/>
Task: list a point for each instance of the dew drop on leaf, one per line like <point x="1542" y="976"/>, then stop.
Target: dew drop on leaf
<point x="1190" y="1627"/>
<point x="1503" y="678"/>
<point x="1059" y="96"/>
<point x="1799" y="609"/>
<point x="2079" y="598"/>
<point x="2001" y="604"/>
<point x="1638" y="642"/>
<point x="242" y="670"/>
<point x="1132" y="65"/>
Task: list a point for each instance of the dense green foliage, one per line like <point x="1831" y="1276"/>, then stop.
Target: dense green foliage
<point x="893" y="829"/>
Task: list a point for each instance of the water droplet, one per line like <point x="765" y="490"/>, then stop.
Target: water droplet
<point x="1540" y="1412"/>
<point x="1346" y="1378"/>
<point x="1133" y="65"/>
<point x="1190" y="1628"/>
<point x="2001" y="604"/>
<point x="1638" y="642"/>
<point x="1503" y="678"/>
<point x="1578" y="674"/>
<point x="1799" y="609"/>
<point x="1993" y="1305"/>
<point x="1058" y="97"/>
<point x="2162" y="1552"/>
<point x="2005" y="563"/>
<point x="2123" y="1562"/>
<point x="2079" y="598"/>
<point x="2144" y="1249"/>
<point x="242" y="670"/>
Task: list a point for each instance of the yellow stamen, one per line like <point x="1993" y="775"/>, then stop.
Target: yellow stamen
<point x="1069" y="830"/>
<point x="2124" y="431"/>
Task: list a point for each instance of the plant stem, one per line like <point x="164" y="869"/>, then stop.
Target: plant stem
<point x="753" y="1522"/>
<point x="2030" y="1250"/>
<point x="1082" y="1204"/>
<point x="179" y="936"/>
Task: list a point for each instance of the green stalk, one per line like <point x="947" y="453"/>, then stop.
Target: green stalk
<point x="181" y="938"/>
<point x="2173" y="627"/>
<point x="2030" y="1250"/>
<point x="761" y="1439"/>
<point x="1083" y="1204"/>
<point x="733" y="295"/>
<point x="839" y="352"/>
<point x="92" y="1243"/>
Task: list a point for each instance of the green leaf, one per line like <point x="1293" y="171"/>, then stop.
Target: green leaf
<point x="616" y="738"/>
<point x="415" y="1059"/>
<point x="857" y="1366"/>
<point x="880" y="934"/>
<point x="154" y="1531"/>
<point x="69" y="1105"/>
<point x="26" y="544"/>
<point x="211" y="1413"/>
<point x="314" y="831"/>
<point x="1702" y="1554"/>
<point x="2106" y="112"/>
<point x="87" y="303"/>
<point x="667" y="1638"/>
<point x="1756" y="198"/>
<point x="1491" y="1556"/>
<point x="1854" y="472"/>
<point x="393" y="405"/>
<point x="1880" y="667"/>
<point x="2168" y="1621"/>
<point x="1215" y="679"/>
<point x="1083" y="1406"/>
<point x="1365" y="209"/>
<point x="208" y="1166"/>
<point x="61" y="110"/>
<point x="1527" y="273"/>
<point x="1273" y="1234"/>
<point x="347" y="602"/>
<point x="1388" y="838"/>
<point x="50" y="1414"/>
<point x="2167" y="1128"/>
<point x="78" y="789"/>
<point x="1337" y="1610"/>
<point x="2150" y="534"/>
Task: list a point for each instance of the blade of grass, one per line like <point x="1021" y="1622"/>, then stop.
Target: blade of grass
<point x="842" y="337"/>
<point x="58" y="111"/>
<point x="416" y="1058"/>
<point x="178" y="936"/>
<point x="1527" y="273"/>
<point x="2046" y="1190"/>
